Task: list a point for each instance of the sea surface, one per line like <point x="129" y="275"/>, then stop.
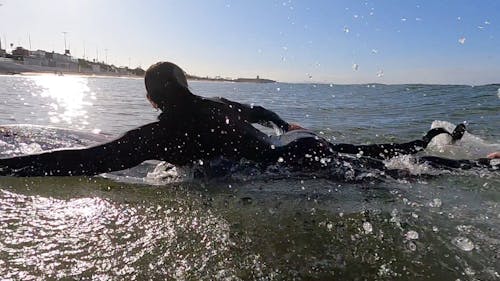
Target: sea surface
<point x="134" y="225"/>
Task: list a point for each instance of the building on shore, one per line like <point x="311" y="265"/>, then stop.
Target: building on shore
<point x="23" y="60"/>
<point x="42" y="58"/>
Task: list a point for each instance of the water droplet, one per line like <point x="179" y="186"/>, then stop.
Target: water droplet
<point x="487" y="22"/>
<point x="200" y="162"/>
<point x="367" y="227"/>
<point x="380" y="73"/>
<point x="469" y="271"/>
<point x="278" y="89"/>
<point x="281" y="160"/>
<point x="355" y="67"/>
<point x="346" y="29"/>
<point x="435" y="203"/>
<point x="411" y="235"/>
<point x="329" y="226"/>
<point x="374" y="51"/>
<point x="273" y="146"/>
<point x="463" y="243"/>
<point x="412" y="247"/>
<point x="403" y="19"/>
<point x="461" y="40"/>
<point x="435" y="229"/>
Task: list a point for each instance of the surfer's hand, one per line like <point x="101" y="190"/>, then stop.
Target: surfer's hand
<point x="293" y="127"/>
<point x="494" y="155"/>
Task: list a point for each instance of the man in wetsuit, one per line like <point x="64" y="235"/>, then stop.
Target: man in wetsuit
<point x="192" y="128"/>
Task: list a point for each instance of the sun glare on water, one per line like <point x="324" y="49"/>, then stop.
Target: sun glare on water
<point x="69" y="96"/>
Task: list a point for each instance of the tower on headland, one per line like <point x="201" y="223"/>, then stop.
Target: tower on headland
<point x="2" y="51"/>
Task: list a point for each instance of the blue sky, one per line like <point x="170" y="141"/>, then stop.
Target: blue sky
<point x="336" y="41"/>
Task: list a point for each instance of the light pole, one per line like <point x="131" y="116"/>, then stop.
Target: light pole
<point x="65" y="32"/>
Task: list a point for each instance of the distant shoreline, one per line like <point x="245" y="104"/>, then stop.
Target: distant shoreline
<point x="116" y="75"/>
<point x="18" y="69"/>
<point x="237" y="80"/>
<point x="8" y="67"/>
<point x="13" y="68"/>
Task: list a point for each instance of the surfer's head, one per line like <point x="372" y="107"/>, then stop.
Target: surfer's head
<point x="166" y="83"/>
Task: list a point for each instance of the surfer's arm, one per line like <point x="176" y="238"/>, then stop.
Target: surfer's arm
<point x="258" y="114"/>
<point x="125" y="152"/>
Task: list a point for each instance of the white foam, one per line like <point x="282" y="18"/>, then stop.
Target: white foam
<point x="30" y="148"/>
<point x="408" y="163"/>
<point x="167" y="173"/>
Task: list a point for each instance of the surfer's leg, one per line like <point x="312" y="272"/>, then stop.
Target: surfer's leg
<point x="381" y="151"/>
<point x="305" y="150"/>
<point x="464" y="164"/>
<point x="388" y="150"/>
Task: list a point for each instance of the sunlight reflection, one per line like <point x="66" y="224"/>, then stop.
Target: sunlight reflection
<point x="69" y="237"/>
<point x="69" y="93"/>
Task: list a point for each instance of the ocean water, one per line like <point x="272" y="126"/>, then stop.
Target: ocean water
<point x="442" y="225"/>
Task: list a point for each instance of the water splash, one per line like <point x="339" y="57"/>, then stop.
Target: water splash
<point x="367" y="227"/>
<point x="463" y="243"/>
<point x="411" y="235"/>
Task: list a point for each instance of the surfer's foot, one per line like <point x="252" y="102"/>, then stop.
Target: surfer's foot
<point x="434" y="132"/>
<point x="458" y="133"/>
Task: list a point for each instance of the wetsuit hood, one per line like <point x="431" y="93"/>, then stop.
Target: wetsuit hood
<point x="166" y="84"/>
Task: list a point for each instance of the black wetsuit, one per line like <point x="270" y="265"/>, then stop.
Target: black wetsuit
<point x="195" y="128"/>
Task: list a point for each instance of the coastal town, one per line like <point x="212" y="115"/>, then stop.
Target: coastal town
<point x="21" y="60"/>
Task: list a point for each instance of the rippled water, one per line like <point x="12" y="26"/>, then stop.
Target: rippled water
<point x="433" y="228"/>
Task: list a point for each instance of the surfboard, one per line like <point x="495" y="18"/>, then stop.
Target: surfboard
<point x="23" y="139"/>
